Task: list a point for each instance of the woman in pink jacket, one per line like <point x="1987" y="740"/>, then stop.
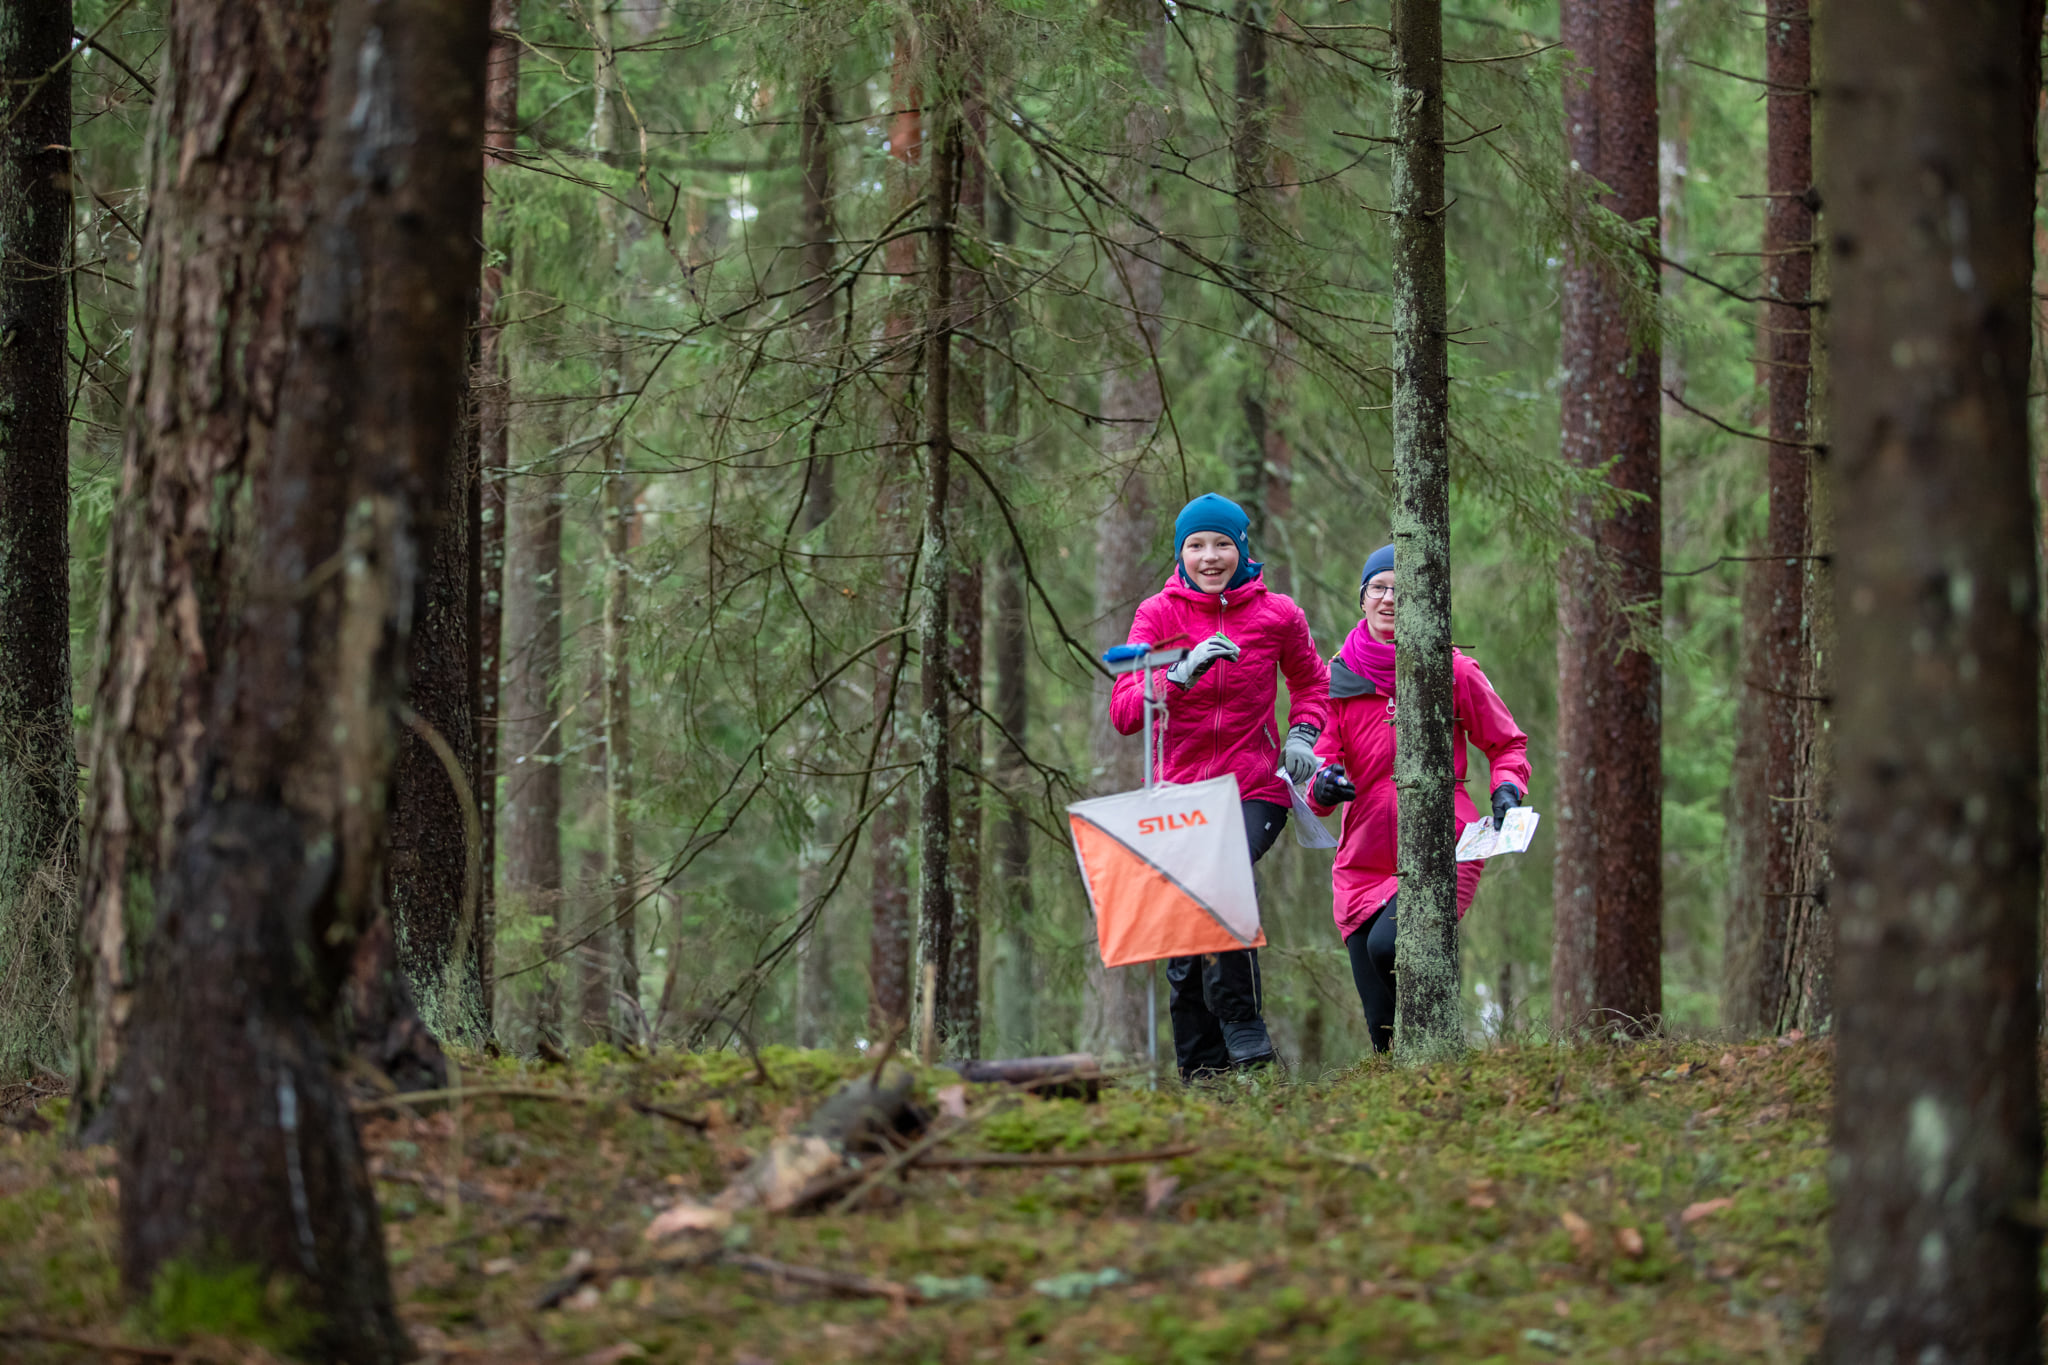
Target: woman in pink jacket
<point x="1219" y="719"/>
<point x="1357" y="747"/>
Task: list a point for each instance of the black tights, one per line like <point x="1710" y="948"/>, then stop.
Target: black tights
<point x="1371" y="946"/>
<point x="1206" y="992"/>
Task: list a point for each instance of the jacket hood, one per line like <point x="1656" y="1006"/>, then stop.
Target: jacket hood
<point x="1345" y="683"/>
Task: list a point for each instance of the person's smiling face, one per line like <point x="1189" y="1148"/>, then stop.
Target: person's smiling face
<point x="1379" y="605"/>
<point x="1210" y="558"/>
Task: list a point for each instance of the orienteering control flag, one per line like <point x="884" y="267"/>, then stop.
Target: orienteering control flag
<point x="1168" y="871"/>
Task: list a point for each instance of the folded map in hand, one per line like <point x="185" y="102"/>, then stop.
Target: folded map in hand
<point x="1482" y="840"/>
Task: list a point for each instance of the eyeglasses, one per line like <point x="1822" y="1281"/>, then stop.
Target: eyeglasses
<point x="1379" y="590"/>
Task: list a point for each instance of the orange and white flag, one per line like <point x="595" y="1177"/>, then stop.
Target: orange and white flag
<point x="1168" y="871"/>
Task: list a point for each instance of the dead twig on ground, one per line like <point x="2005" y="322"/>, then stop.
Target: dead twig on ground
<point x="1050" y="1159"/>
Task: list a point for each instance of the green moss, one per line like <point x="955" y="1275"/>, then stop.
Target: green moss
<point x="236" y="1303"/>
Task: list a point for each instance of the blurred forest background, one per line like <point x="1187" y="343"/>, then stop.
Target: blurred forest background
<point x="707" y="330"/>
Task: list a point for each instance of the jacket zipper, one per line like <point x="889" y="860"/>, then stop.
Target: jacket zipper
<point x="1216" y="716"/>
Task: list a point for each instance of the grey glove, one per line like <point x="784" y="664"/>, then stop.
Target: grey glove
<point x="1299" y="755"/>
<point x="1505" y="798"/>
<point x="1217" y="646"/>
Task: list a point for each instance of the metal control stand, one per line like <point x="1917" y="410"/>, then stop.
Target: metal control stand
<point x="1130" y="659"/>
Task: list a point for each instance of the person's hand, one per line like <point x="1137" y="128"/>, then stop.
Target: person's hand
<point x="1505" y="798"/>
<point x="1217" y="646"/>
<point x="1299" y="754"/>
<point x="1331" y="787"/>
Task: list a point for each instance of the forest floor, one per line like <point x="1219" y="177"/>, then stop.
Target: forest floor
<point x="1650" y="1201"/>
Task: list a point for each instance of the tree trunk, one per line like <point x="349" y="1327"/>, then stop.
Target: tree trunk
<point x="960" y="996"/>
<point x="621" y="876"/>
<point x="38" y="760"/>
<point x="1014" y="975"/>
<point x="430" y="897"/>
<point x="532" y="747"/>
<point x="1761" y="993"/>
<point x="935" y="566"/>
<point x="1607" y="960"/>
<point x="236" y="1146"/>
<point x="1937" y="1123"/>
<point x="490" y="390"/>
<point x="1127" y="565"/>
<point x="1429" y="1023"/>
<point x="889" y="941"/>
<point x="817" y="255"/>
<point x="1266" y="201"/>
<point x="219" y="299"/>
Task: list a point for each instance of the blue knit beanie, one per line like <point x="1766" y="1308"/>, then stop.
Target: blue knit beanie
<point x="1378" y="562"/>
<point x="1214" y="512"/>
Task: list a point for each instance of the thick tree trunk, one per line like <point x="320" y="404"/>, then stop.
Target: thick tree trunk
<point x="1938" y="1145"/>
<point x="817" y="255"/>
<point x="236" y="1146"/>
<point x="1607" y="962"/>
<point x="935" y="567"/>
<point x="1937" y="1123"/>
<point x="219" y="296"/>
<point x="890" y="938"/>
<point x="1128" y="567"/>
<point x="1761" y="991"/>
<point x="1429" y="1022"/>
<point x="38" y="760"/>
<point x="429" y="896"/>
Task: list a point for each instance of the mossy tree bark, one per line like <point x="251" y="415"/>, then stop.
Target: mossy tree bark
<point x="1607" y="958"/>
<point x="1928" y="182"/>
<point x="220" y="297"/>
<point x="1429" y="1016"/>
<point x="1127" y="565"/>
<point x="236" y="1146"/>
<point x="38" y="763"/>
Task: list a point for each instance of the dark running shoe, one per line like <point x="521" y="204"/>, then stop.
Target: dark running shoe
<point x="1249" y="1043"/>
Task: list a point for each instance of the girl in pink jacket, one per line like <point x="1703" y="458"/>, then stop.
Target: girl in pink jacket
<point x="1220" y="702"/>
<point x="1357" y="747"/>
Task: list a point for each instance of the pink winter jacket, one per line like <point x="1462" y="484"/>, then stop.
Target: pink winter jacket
<point x="1224" y="723"/>
<point x="1360" y="735"/>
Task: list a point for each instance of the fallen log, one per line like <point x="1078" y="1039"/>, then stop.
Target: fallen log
<point x="1075" y="1075"/>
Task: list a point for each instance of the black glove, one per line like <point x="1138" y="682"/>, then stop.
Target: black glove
<point x="1505" y="798"/>
<point x="1331" y="787"/>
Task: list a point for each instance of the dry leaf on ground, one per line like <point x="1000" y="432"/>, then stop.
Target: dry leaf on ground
<point x="1229" y="1275"/>
<point x="1694" y="1212"/>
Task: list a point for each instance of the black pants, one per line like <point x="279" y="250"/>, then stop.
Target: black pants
<point x="1371" y="946"/>
<point x="1205" y="992"/>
